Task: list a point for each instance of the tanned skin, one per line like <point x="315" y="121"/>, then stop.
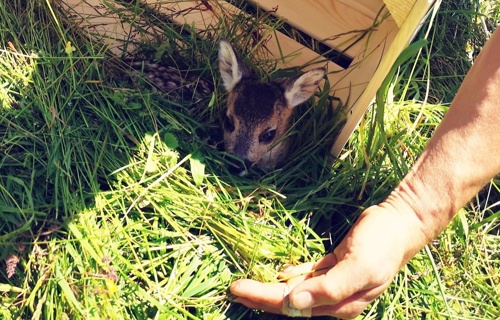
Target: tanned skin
<point x="462" y="156"/>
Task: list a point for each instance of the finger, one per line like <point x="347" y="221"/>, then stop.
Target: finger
<point x="348" y="309"/>
<point x="309" y="269"/>
<point x="258" y="306"/>
<point x="330" y="288"/>
<point x="264" y="295"/>
<point x="270" y="297"/>
<point x="296" y="274"/>
<point x="324" y="264"/>
<point x="292" y="270"/>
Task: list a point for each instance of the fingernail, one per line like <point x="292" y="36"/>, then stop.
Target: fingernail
<point x="234" y="285"/>
<point x="302" y="300"/>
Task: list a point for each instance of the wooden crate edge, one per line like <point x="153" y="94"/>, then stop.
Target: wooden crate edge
<point x="402" y="40"/>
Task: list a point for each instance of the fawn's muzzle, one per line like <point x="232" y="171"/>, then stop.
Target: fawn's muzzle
<point x="240" y="167"/>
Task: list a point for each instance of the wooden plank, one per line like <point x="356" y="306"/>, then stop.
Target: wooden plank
<point x="351" y="83"/>
<point x="400" y="9"/>
<point x="290" y="52"/>
<point x="394" y="48"/>
<point x="100" y="20"/>
<point x="370" y="8"/>
<point x="335" y="23"/>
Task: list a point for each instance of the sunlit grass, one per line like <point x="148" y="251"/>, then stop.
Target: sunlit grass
<point x="116" y="201"/>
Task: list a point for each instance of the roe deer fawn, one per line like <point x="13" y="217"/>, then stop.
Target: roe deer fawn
<point x="258" y="113"/>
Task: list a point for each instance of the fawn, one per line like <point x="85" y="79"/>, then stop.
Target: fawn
<point x="258" y="113"/>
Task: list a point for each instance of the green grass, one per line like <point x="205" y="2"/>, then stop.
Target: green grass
<point x="116" y="201"/>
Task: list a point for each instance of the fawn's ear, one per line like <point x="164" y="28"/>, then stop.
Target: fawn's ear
<point x="298" y="90"/>
<point x="230" y="66"/>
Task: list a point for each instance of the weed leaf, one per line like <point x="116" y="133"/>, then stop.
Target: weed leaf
<point x="197" y="168"/>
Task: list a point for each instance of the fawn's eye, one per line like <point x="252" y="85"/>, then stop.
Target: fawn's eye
<point x="228" y="124"/>
<point x="267" y="136"/>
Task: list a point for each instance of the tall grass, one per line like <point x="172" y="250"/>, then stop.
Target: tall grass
<point x="117" y="202"/>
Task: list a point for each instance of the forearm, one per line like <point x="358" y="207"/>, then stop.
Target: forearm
<point x="463" y="154"/>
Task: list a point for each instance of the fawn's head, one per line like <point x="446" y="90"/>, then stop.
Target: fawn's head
<point x="258" y="113"/>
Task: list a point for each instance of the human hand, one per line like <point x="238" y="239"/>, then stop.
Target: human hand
<point x="344" y="282"/>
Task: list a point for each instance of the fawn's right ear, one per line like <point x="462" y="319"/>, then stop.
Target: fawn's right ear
<point x="231" y="68"/>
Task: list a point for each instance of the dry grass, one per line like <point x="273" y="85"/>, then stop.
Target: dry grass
<point x="116" y="201"/>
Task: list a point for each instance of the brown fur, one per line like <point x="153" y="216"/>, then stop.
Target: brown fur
<point x="255" y="109"/>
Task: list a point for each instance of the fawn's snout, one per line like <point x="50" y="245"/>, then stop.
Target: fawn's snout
<point x="258" y="113"/>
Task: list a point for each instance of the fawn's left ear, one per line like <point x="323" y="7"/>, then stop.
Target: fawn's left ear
<point x="302" y="88"/>
<point x="231" y="68"/>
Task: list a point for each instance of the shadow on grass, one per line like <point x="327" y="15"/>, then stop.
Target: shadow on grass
<point x="118" y="198"/>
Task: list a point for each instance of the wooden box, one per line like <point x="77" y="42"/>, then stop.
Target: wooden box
<point x="368" y="35"/>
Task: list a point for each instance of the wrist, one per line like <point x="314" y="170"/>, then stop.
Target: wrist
<point x="415" y="228"/>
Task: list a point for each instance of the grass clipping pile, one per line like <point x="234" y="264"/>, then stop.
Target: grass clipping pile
<point x="116" y="199"/>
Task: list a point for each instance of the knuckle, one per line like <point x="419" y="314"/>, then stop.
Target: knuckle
<point x="328" y="291"/>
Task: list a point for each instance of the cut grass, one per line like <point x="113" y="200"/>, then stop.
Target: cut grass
<point x="117" y="203"/>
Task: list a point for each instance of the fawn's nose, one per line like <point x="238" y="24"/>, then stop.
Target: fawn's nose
<point x="243" y="170"/>
<point x="240" y="167"/>
<point x="248" y="163"/>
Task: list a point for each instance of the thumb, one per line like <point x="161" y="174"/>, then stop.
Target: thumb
<point x="348" y="285"/>
<point x="325" y="289"/>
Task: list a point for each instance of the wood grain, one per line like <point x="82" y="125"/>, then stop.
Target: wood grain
<point x="333" y="22"/>
<point x="393" y="48"/>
